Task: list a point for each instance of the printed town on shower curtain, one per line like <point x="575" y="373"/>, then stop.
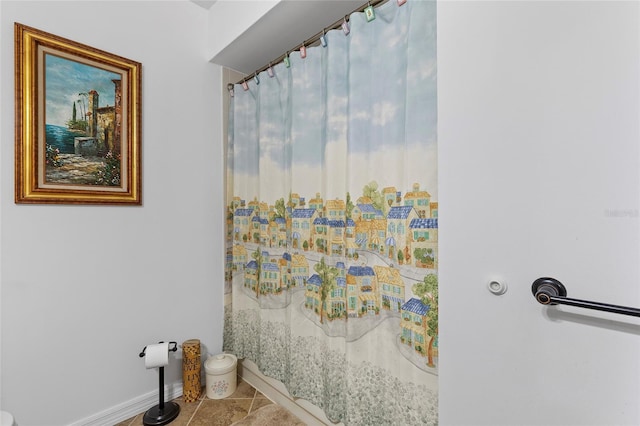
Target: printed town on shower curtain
<point x="353" y="264"/>
<point x="332" y="221"/>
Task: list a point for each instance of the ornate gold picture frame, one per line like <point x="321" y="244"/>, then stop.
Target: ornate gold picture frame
<point x="78" y="113"/>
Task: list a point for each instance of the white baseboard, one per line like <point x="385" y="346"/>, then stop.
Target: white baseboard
<point x="133" y="407"/>
<point x="271" y="388"/>
<point x="276" y="392"/>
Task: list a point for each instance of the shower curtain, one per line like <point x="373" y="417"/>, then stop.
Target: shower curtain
<point x="332" y="221"/>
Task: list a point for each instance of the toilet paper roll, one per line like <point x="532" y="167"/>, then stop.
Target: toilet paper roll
<point x="156" y="355"/>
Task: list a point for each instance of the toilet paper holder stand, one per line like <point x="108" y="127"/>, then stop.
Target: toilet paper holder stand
<point x="164" y="412"/>
<point x="171" y="349"/>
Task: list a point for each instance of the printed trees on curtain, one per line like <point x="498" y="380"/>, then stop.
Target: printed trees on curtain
<point x="257" y="256"/>
<point x="427" y="290"/>
<point x="327" y="276"/>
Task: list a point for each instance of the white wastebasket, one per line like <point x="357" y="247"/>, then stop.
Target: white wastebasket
<point x="221" y="375"/>
<point x="6" y="419"/>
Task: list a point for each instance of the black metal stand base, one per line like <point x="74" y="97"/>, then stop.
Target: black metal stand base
<point x="156" y="416"/>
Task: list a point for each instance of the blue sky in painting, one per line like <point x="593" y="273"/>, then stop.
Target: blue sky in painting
<point x="374" y="114"/>
<point x="65" y="79"/>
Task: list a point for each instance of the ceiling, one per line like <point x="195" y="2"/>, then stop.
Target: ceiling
<point x="204" y="3"/>
<point x="283" y="28"/>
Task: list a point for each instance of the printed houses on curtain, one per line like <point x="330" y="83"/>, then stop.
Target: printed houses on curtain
<point x="407" y="233"/>
<point x="404" y="231"/>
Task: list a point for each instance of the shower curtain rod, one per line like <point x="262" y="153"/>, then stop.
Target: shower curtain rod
<point x="311" y="40"/>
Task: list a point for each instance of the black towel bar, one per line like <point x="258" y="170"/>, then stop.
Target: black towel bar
<point x="549" y="291"/>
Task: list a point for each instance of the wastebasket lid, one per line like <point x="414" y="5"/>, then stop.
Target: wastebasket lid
<point x="221" y="363"/>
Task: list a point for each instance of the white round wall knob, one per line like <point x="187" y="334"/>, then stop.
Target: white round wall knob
<point x="497" y="288"/>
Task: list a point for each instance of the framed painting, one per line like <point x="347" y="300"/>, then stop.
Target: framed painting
<point x="77" y="122"/>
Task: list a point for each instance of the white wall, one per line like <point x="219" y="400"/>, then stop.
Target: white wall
<point x="84" y="288"/>
<point x="538" y="135"/>
<point x="538" y="141"/>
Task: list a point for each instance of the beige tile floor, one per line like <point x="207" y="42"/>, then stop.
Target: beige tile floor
<point x="220" y="412"/>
